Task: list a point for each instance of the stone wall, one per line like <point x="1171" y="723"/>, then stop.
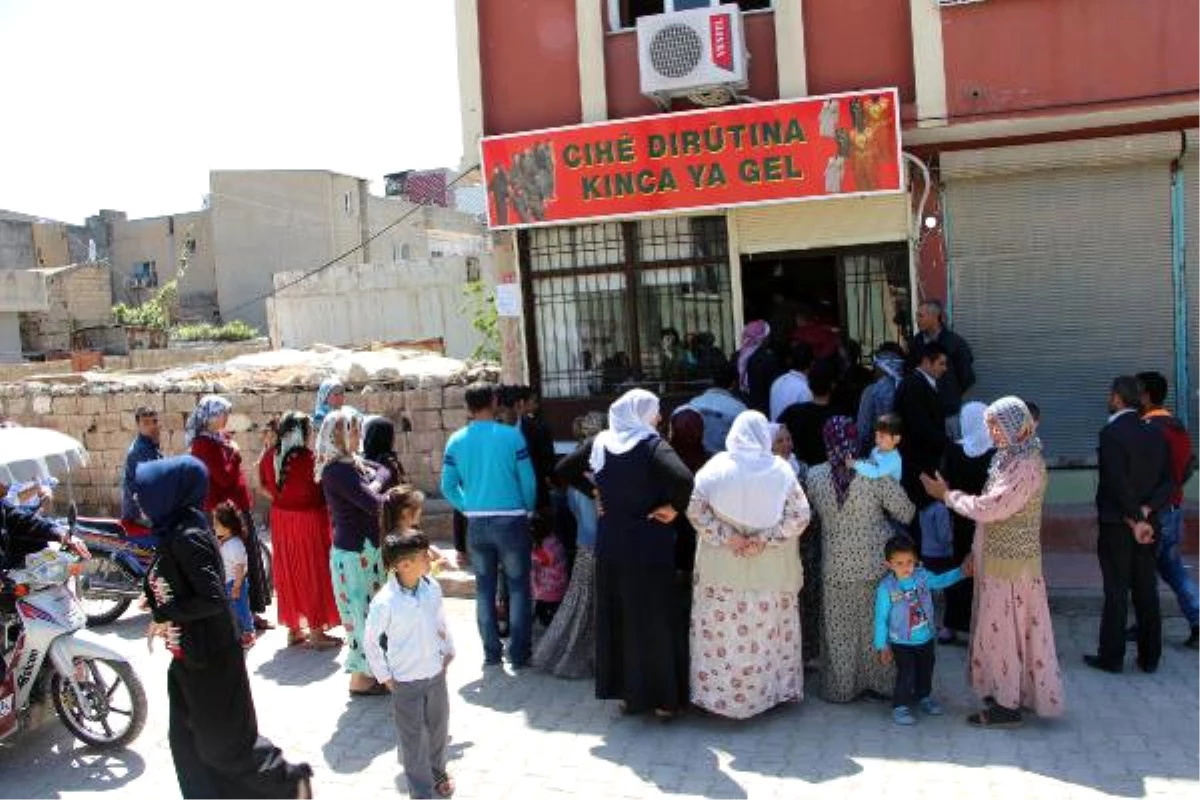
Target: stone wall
<point x="103" y="421"/>
<point x="80" y="296"/>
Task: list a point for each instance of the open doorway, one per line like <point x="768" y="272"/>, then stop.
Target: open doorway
<point x="852" y="294"/>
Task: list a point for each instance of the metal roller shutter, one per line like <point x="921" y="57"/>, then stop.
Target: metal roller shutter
<point x="1061" y="277"/>
<point x="1191" y="187"/>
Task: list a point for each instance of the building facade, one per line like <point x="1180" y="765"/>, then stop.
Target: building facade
<point x="1048" y="193"/>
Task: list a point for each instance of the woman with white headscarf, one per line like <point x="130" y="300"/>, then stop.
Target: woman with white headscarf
<point x="1012" y="662"/>
<point x="965" y="468"/>
<point x="208" y="439"/>
<point x="749" y="511"/>
<point x="354" y="506"/>
<point x="641" y="627"/>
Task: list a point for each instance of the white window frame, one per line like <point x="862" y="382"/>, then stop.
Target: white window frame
<point x="614" y="12"/>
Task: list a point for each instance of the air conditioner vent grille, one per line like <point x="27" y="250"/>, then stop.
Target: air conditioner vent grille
<point x="676" y="50"/>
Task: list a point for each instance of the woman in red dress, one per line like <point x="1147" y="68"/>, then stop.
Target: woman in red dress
<point x="208" y="441"/>
<point x="301" y="534"/>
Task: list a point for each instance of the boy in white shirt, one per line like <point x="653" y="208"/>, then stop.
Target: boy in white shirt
<point x="885" y="461"/>
<point x="408" y="610"/>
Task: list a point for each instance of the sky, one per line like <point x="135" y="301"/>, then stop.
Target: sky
<point x="127" y="104"/>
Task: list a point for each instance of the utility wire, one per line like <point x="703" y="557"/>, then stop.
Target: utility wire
<point x="351" y="251"/>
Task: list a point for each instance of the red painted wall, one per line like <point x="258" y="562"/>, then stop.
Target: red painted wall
<point x="859" y="44"/>
<point x="1071" y="52"/>
<point x="621" y="69"/>
<point x="528" y="54"/>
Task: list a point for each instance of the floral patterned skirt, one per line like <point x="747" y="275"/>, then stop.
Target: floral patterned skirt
<point x="1012" y="656"/>
<point x="745" y="650"/>
<point x="356" y="579"/>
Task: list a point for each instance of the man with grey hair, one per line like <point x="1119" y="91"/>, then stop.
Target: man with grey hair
<point x="960" y="372"/>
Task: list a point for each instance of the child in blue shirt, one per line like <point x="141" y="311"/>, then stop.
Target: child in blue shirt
<point x="904" y="625"/>
<point x="885" y="459"/>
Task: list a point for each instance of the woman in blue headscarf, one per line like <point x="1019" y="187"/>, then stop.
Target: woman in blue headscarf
<point x="330" y="397"/>
<point x="213" y="729"/>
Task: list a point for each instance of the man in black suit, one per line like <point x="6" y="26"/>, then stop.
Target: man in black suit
<point x="919" y="405"/>
<point x="959" y="375"/>
<point x="1135" y="484"/>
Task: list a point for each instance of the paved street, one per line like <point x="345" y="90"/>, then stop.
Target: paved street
<point x="530" y="736"/>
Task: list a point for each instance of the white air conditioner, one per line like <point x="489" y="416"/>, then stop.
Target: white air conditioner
<point x="690" y="52"/>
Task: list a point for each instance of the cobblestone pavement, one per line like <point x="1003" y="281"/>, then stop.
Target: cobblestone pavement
<point x="531" y="736"/>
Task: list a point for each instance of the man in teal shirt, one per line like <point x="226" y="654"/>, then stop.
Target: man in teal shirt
<point x="488" y="476"/>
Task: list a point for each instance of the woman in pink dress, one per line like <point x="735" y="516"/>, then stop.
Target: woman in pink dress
<point x="1012" y="663"/>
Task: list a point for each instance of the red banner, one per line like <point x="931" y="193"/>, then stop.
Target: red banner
<point x="830" y="146"/>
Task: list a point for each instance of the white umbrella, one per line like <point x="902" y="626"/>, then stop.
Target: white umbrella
<point x="30" y="454"/>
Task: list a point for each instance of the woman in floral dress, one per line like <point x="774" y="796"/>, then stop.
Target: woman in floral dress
<point x="854" y="515"/>
<point x="1013" y="663"/>
<point x="749" y="511"/>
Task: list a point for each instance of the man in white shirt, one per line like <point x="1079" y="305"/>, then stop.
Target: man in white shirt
<point x="792" y="386"/>
<point x="408" y="610"/>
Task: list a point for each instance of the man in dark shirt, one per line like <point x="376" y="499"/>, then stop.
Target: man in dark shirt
<point x="806" y="421"/>
<point x="919" y="406"/>
<point x="1134" y="488"/>
<point x="144" y="448"/>
<point x="959" y="376"/>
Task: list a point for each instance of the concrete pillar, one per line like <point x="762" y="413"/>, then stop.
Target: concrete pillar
<point x="589" y="31"/>
<point x="10" y="337"/>
<point x="929" y="62"/>
<point x="790" y="59"/>
<point x="470" y="80"/>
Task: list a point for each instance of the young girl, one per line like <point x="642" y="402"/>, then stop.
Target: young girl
<point x="231" y="533"/>
<point x="549" y="573"/>
<point x="401" y="514"/>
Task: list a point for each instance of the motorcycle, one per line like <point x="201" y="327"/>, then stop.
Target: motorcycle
<point x="52" y="662"/>
<point x="123" y="552"/>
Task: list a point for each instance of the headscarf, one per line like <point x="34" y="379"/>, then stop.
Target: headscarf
<point x="747" y="484"/>
<point x="753" y="335"/>
<point x="209" y="408"/>
<point x="171" y="492"/>
<point x="976" y="439"/>
<point x="841" y="442"/>
<point x="687" y="437"/>
<point x="890" y="364"/>
<point x="329" y="386"/>
<point x="293" y="437"/>
<point x="1013" y="417"/>
<point x="379" y="445"/>
<point x="328" y="448"/>
<point x="630" y="421"/>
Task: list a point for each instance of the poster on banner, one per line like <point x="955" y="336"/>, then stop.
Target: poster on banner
<point x="508" y="300"/>
<point x="755" y="154"/>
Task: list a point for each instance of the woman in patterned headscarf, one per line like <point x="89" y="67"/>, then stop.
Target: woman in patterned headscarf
<point x="354" y="505"/>
<point x="854" y="515"/>
<point x="208" y="440"/>
<point x="1012" y="662"/>
<point x="301" y="535"/>
<point x="331" y="395"/>
<point x="757" y="366"/>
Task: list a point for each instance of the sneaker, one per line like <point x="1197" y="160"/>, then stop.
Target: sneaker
<point x="931" y="707"/>
<point x="1193" y="641"/>
<point x="902" y="716"/>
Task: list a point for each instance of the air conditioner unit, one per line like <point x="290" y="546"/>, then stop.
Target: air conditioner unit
<point x="689" y="52"/>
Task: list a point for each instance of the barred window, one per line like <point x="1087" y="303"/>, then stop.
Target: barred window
<point x="613" y="305"/>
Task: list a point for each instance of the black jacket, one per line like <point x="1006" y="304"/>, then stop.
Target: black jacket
<point x="1135" y="469"/>
<point x="189" y="561"/>
<point x="21" y="533"/>
<point x="960" y="372"/>
<point x="924" y="440"/>
<point x="761" y="371"/>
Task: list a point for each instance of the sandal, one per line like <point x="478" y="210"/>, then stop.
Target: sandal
<point x="320" y="643"/>
<point x="443" y="784"/>
<point x="996" y="717"/>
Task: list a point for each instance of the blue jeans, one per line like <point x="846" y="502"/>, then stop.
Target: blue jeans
<point x="1170" y="564"/>
<point x="502" y="541"/>
<point x="241" y="606"/>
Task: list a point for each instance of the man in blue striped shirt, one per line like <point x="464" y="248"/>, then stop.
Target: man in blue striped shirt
<point x="488" y="476"/>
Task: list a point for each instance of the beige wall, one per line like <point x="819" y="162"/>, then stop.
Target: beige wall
<point x="79" y="296"/>
<point x="161" y="239"/>
<point x="50" y="247"/>
<point x="360" y="303"/>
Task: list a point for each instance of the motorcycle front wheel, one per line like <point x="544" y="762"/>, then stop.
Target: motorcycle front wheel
<point x="114" y="703"/>
<point x="107" y="591"/>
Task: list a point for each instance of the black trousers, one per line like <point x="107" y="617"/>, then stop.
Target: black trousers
<point x="256" y="573"/>
<point x="214" y="733"/>
<point x="1128" y="568"/>
<point x="914" y="672"/>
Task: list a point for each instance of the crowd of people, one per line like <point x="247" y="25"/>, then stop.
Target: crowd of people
<point x="773" y="530"/>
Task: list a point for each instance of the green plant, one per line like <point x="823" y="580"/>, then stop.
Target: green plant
<point x="156" y="312"/>
<point x="481" y="306"/>
<point x="236" y="331"/>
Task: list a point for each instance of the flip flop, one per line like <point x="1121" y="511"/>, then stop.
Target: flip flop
<point x="986" y="719"/>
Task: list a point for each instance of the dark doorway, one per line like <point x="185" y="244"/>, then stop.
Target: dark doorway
<point x="861" y="293"/>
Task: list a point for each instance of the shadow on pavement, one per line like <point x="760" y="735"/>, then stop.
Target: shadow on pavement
<point x="363" y="731"/>
<point x="298" y="666"/>
<point x="52" y="758"/>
